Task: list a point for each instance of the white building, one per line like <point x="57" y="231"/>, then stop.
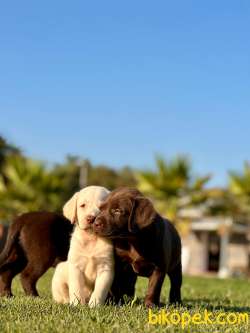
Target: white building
<point x="217" y="245"/>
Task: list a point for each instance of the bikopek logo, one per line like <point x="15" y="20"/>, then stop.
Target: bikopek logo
<point x="184" y="319"/>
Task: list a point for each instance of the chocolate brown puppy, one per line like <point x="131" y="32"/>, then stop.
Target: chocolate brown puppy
<point x="143" y="238"/>
<point x="35" y="242"/>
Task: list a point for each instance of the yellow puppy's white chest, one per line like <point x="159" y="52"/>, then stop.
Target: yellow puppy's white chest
<point x="88" y="255"/>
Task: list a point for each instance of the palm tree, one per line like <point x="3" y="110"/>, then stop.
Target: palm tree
<point x="234" y="200"/>
<point x="172" y="186"/>
<point x="239" y="188"/>
<point x="30" y="187"/>
<point x="6" y="149"/>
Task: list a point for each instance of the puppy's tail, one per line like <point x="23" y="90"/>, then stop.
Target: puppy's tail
<point x="11" y="242"/>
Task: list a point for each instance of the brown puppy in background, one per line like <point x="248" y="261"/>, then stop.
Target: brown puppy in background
<point x="143" y="238"/>
<point x="35" y="242"/>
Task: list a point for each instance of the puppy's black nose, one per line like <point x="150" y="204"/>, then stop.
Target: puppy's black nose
<point x="98" y="223"/>
<point x="90" y="219"/>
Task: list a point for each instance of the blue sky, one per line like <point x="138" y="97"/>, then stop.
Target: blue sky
<point x="119" y="81"/>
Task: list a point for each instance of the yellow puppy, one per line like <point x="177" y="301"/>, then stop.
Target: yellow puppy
<point x="87" y="275"/>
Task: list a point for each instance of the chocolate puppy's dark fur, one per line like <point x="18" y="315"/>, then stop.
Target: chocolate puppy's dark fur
<point x="124" y="281"/>
<point x="35" y="242"/>
<point x="143" y="238"/>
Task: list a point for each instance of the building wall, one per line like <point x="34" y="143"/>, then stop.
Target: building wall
<point x="238" y="258"/>
<point x="197" y="246"/>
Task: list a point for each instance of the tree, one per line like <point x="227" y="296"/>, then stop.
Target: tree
<point x="68" y="174"/>
<point x="100" y="175"/>
<point x="239" y="189"/>
<point x="110" y="178"/>
<point x="172" y="185"/>
<point x="30" y="187"/>
<point x="6" y="149"/>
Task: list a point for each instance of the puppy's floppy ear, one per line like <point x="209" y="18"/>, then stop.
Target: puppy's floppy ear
<point x="70" y="208"/>
<point x="142" y="214"/>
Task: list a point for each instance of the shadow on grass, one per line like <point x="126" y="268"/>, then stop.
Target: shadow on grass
<point x="203" y="303"/>
<point x="211" y="305"/>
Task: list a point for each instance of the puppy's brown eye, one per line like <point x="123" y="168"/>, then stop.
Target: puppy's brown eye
<point x="83" y="205"/>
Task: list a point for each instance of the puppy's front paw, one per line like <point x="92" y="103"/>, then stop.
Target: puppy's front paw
<point x="94" y="301"/>
<point x="149" y="303"/>
<point x="75" y="302"/>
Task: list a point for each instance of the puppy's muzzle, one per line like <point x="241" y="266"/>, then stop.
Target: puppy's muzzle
<point x="90" y="219"/>
<point x="98" y="225"/>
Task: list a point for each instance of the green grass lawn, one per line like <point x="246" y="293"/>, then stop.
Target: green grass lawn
<point x="27" y="314"/>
